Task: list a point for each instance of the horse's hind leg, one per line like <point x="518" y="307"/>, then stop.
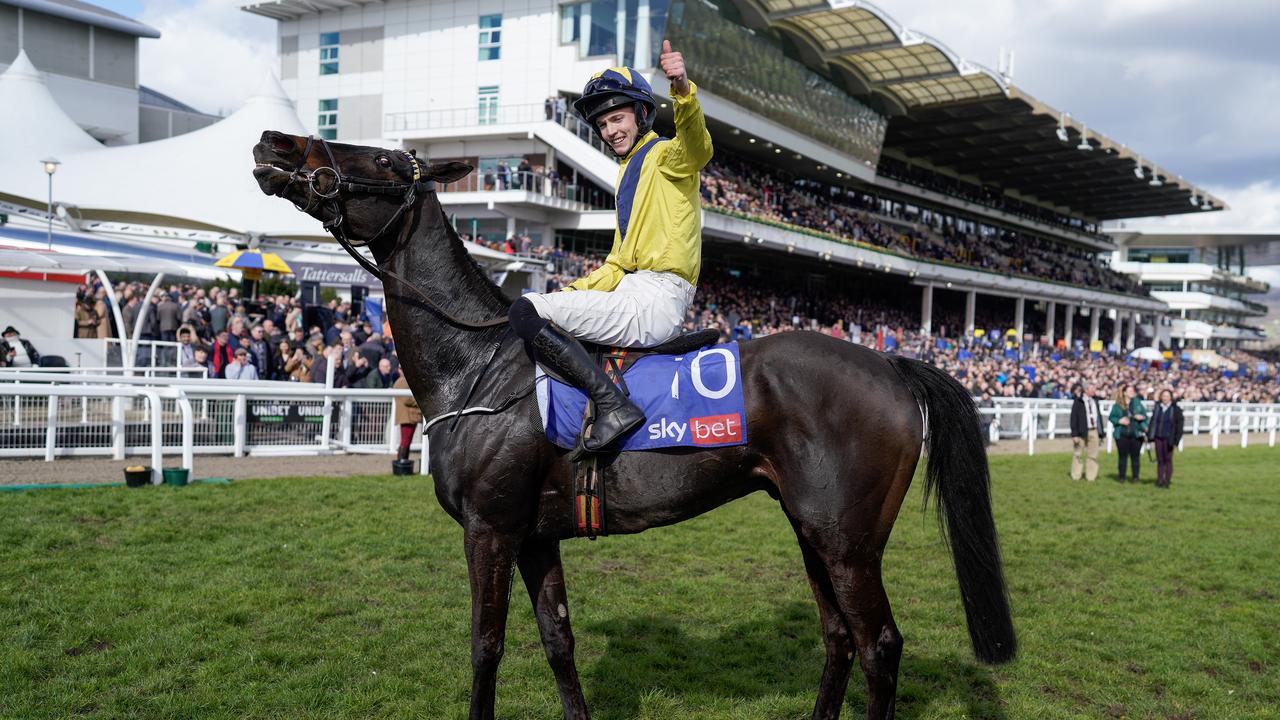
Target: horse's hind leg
<point x="544" y="578"/>
<point x="861" y="595"/>
<point x="835" y="635"/>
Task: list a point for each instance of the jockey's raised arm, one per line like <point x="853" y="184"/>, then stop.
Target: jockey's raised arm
<point x="640" y="295"/>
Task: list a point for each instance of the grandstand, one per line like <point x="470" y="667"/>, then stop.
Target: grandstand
<point x="849" y="149"/>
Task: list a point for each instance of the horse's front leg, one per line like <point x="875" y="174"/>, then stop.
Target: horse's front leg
<point x="490" y="561"/>
<point x="544" y="578"/>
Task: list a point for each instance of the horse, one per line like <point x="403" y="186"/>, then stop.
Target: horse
<point x="835" y="432"/>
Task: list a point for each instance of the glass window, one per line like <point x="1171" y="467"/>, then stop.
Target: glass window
<point x="602" y="28"/>
<point x="488" y="114"/>
<point x="329" y="53"/>
<point x="570" y="23"/>
<point x="490" y="37"/>
<point x="327" y="122"/>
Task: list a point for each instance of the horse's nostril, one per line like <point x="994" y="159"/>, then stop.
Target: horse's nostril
<point x="281" y="144"/>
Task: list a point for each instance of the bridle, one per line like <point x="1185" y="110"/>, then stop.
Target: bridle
<point x="332" y="201"/>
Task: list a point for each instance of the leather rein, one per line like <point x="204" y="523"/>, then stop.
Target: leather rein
<point x="332" y="201"/>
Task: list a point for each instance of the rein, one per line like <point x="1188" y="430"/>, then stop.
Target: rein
<point x="331" y="200"/>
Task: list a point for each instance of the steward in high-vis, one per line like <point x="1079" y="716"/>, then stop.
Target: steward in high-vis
<point x="639" y="296"/>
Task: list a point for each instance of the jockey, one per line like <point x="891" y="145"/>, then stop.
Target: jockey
<point x="639" y="296"/>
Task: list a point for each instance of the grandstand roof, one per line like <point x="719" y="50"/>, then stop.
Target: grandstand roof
<point x="87" y="14"/>
<point x="290" y="9"/>
<point x="961" y="118"/>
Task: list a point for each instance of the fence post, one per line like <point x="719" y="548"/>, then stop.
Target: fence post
<point x="426" y="451"/>
<point x="157" y="435"/>
<point x="393" y="434"/>
<point x="344" y="424"/>
<point x="1214" y="426"/>
<point x="51" y="429"/>
<point x="1244" y="427"/>
<point x="188" y="433"/>
<point x="1031" y="429"/>
<point x="117" y="428"/>
<point x="241" y="421"/>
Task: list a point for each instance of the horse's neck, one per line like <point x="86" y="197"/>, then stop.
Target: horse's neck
<point x="441" y="358"/>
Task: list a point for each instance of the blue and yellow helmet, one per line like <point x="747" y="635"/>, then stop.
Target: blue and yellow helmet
<point x="617" y="87"/>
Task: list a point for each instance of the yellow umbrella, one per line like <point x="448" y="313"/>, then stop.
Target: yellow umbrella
<point x="253" y="262"/>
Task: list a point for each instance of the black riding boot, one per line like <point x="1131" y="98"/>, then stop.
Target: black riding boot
<point x="563" y="355"/>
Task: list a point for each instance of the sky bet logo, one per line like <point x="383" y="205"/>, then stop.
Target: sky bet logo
<point x="708" y="430"/>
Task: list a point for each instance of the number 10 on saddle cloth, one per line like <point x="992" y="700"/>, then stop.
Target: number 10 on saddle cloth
<point x="690" y="400"/>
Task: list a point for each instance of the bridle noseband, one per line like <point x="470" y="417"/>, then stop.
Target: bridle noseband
<point x="332" y="201"/>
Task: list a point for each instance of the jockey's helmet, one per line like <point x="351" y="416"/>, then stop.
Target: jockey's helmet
<point x="613" y="88"/>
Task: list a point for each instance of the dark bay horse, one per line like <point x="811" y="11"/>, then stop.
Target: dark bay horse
<point x="835" y="431"/>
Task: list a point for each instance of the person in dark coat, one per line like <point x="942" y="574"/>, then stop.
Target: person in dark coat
<point x="1165" y="432"/>
<point x="1129" y="425"/>
<point x="15" y="351"/>
<point x="1087" y="432"/>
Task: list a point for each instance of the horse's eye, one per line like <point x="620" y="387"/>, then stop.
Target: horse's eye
<point x="384" y="161"/>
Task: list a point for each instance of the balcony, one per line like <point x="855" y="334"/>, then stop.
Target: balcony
<point x="477" y="121"/>
<point x="524" y="187"/>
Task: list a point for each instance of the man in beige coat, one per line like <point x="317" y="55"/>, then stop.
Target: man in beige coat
<point x="408" y="417"/>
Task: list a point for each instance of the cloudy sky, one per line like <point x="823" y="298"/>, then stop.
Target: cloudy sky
<point x="1192" y="84"/>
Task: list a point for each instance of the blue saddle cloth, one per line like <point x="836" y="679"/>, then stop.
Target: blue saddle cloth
<point x="690" y="400"/>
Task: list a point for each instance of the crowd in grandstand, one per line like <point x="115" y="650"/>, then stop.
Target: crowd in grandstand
<point x="744" y="310"/>
<point x="270" y="338"/>
<point x="849" y="214"/>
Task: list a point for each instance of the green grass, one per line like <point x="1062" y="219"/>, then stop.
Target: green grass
<point x="334" y="598"/>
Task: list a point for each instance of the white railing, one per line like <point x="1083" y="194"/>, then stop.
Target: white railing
<point x="1028" y="420"/>
<point x="54" y="415"/>
<point x="51" y="415"/>
<point x="164" y="373"/>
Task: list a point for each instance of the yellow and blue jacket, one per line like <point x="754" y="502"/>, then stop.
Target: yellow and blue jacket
<point x="659" y="207"/>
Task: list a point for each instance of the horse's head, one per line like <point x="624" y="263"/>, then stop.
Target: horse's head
<point x="358" y="192"/>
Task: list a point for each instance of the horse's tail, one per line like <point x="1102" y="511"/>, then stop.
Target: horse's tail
<point x="958" y="471"/>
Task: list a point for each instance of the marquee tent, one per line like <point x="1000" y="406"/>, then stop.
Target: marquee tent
<point x="200" y="180"/>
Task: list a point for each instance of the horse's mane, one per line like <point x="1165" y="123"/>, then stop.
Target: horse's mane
<point x="469" y="262"/>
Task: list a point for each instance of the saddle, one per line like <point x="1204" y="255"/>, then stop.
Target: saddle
<point x="588" y="485"/>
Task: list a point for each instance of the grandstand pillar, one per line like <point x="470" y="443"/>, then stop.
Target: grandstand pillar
<point x="1133" y="331"/>
<point x="926" y="309"/>
<point x="1070" y="320"/>
<point x="970" y="304"/>
<point x="1051" y="319"/>
<point x="1117" y="330"/>
<point x="1095" y="315"/>
<point x="1019" y="310"/>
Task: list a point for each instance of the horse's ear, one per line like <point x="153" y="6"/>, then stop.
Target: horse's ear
<point x="447" y="172"/>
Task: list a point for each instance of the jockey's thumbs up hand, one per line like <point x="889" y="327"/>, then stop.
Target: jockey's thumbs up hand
<point x="672" y="63"/>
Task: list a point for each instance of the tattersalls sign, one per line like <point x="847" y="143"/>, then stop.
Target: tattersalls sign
<point x="333" y="274"/>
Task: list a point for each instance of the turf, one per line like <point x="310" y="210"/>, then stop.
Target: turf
<point x="333" y="598"/>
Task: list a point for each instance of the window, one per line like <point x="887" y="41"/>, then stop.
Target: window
<point x="592" y="25"/>
<point x="490" y="37"/>
<point x="329" y="53"/>
<point x="488" y="106"/>
<point x="327" y="123"/>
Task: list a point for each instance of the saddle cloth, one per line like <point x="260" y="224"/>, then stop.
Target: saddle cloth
<point x="690" y="400"/>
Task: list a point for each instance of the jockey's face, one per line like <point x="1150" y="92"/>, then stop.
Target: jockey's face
<point x="618" y="128"/>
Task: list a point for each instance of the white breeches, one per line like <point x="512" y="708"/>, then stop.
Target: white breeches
<point x="646" y="309"/>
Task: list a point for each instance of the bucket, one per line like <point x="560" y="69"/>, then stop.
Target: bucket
<point x="136" y="476"/>
<point x="175" y="476"/>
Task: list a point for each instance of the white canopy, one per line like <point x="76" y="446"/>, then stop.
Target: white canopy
<point x="201" y="179"/>
<point x="33" y="127"/>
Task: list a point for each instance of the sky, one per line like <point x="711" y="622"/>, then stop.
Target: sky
<point x="1193" y="85"/>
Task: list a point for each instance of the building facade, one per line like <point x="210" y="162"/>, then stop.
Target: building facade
<point x="1203" y="276"/>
